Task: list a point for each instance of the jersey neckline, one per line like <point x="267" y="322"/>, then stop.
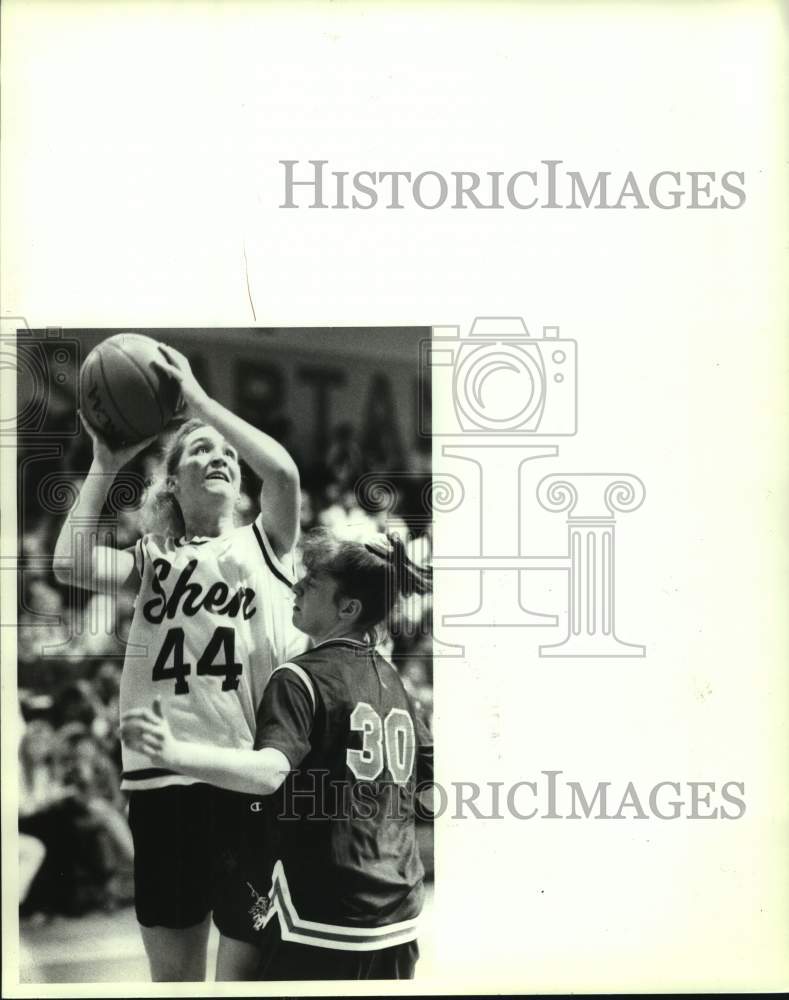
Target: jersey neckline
<point x="341" y="641"/>
<point x="202" y="539"/>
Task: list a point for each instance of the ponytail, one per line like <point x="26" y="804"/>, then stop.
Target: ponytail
<point x="408" y="577"/>
<point x="377" y="573"/>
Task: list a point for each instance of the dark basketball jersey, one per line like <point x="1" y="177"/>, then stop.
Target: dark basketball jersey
<point x="339" y="833"/>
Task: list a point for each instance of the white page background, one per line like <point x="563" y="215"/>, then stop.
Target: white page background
<point x="140" y="164"/>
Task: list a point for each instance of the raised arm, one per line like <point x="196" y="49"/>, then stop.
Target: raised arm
<point x="78" y="558"/>
<point x="280" y="498"/>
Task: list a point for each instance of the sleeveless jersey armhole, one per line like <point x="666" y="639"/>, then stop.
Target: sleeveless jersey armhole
<point x="138" y="552"/>
<point x="281" y="568"/>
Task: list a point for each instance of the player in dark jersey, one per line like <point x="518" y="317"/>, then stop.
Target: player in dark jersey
<point x="336" y="886"/>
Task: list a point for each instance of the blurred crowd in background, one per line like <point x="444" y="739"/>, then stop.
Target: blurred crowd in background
<point x="75" y="848"/>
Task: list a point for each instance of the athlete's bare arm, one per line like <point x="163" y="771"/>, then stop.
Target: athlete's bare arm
<point x="78" y="558"/>
<point x="279" y="495"/>
<point x="256" y="772"/>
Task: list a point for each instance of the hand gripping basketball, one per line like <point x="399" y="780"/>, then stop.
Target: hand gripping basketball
<point x="175" y="366"/>
<point x="108" y="458"/>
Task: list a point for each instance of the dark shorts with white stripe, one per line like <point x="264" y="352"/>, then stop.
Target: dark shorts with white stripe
<point x="284" y="960"/>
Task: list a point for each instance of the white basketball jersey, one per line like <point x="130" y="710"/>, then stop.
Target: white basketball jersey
<point x="212" y="619"/>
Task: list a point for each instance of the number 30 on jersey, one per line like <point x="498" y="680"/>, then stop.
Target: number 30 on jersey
<point x="386" y="743"/>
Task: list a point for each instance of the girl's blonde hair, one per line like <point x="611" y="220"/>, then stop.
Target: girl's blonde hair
<point x="162" y="514"/>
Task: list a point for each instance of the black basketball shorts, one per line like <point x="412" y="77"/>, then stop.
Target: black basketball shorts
<point x="186" y="853"/>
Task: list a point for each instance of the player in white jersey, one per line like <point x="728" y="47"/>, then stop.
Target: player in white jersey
<point x="212" y="619"/>
<point x="212" y="616"/>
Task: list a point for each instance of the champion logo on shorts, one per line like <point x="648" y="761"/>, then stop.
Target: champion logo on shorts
<point x="259" y="909"/>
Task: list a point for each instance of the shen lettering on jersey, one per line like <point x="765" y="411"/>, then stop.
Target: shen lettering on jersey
<point x="212" y="619"/>
<point x="189" y="598"/>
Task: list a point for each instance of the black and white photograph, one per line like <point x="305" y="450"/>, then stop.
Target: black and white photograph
<point x="393" y="493"/>
<point x="225" y="658"/>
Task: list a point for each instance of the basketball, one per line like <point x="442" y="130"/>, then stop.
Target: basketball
<point x="123" y="395"/>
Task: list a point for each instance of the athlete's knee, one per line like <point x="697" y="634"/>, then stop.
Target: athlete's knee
<point x="176" y="955"/>
<point x="236" y="961"/>
<point x="178" y="966"/>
